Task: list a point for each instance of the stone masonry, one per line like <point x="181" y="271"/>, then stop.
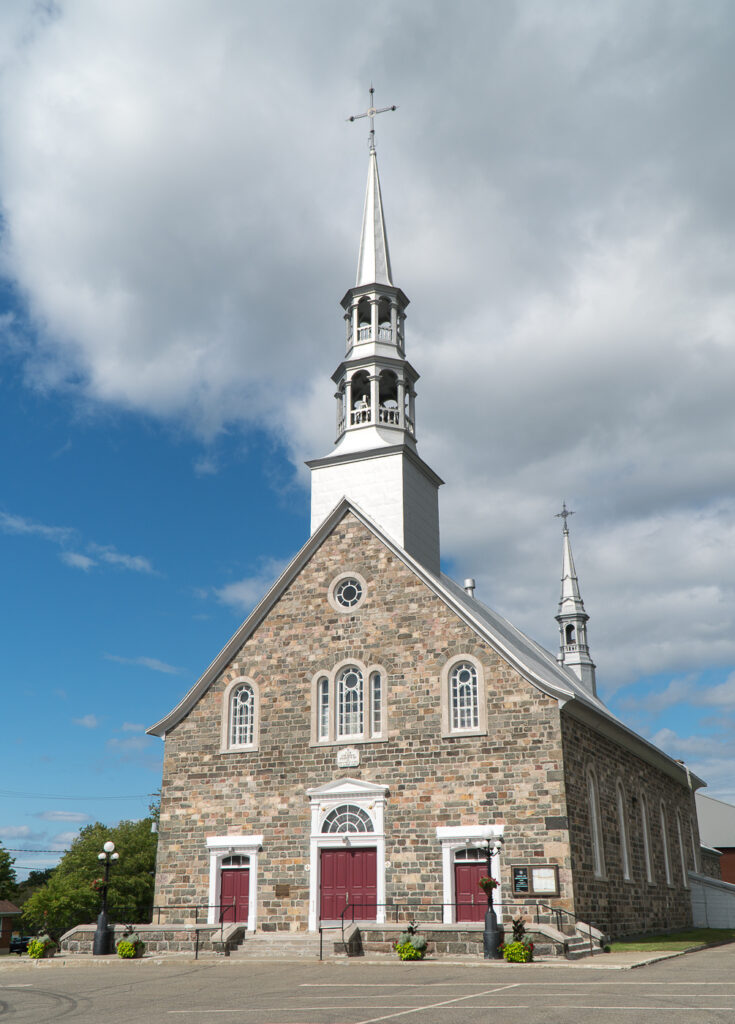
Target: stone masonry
<point x="514" y="775"/>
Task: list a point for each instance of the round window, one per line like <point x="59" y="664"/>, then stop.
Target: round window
<point x="348" y="592"/>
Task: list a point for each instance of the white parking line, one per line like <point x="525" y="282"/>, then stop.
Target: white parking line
<point x="435" y="1006"/>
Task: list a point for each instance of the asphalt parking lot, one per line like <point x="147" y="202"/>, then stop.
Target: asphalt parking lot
<point x="699" y="987"/>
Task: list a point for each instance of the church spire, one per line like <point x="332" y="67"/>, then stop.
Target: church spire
<point x="572" y="618"/>
<point x="373" y="263"/>
<point x="375" y="462"/>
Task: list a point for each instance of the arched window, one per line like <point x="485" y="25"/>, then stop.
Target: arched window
<point x="569" y="633"/>
<point x="695" y="858"/>
<point x="350" y="702"/>
<point x="236" y="860"/>
<point x="646" y="833"/>
<point x="682" y="854"/>
<point x="593" y="807"/>
<point x="376" y="704"/>
<point x="242" y="716"/>
<point x="323" y="708"/>
<point x="665" y="842"/>
<point x="464" y="697"/>
<point x="623" y="829"/>
<point x="347" y="818"/>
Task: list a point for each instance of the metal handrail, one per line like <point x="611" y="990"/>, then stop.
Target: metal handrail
<point x="417" y="906"/>
<point x="568" y="913"/>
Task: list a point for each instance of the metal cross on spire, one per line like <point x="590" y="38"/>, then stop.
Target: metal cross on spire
<point x="371" y="112"/>
<point x="564" y="514"/>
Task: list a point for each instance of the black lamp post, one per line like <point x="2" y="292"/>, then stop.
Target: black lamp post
<point x="493" y="935"/>
<point x="103" y="937"/>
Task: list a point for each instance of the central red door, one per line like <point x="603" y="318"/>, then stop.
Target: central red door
<point x="349" y="877"/>
<point x="471" y="900"/>
<point x="235" y="889"/>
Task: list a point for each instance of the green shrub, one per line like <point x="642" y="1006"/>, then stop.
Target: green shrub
<point x="518" y="952"/>
<point x="126" y="950"/>
<point x="40" y="947"/>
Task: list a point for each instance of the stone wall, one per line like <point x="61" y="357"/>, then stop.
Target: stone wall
<point x="157" y="938"/>
<point x="611" y="903"/>
<point x="513" y="775"/>
<point x="711" y="863"/>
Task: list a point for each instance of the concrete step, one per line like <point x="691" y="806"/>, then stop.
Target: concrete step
<point x="275" y="946"/>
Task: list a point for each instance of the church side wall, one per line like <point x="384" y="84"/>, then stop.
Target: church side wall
<point x="511" y="777"/>
<point x="611" y="903"/>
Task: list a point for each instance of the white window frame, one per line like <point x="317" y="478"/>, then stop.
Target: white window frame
<point x="682" y="853"/>
<point x="625" y="859"/>
<point x="446" y="698"/>
<point x="457" y="837"/>
<point x="224" y="846"/>
<point x="369" y="797"/>
<point x="695" y="851"/>
<point x="664" y="824"/>
<point x="646" y="830"/>
<point x="369" y="733"/>
<point x="226" y="746"/>
<point x="334" y="603"/>
<point x="595" y="821"/>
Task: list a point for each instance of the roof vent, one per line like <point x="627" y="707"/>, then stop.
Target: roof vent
<point x="469" y="587"/>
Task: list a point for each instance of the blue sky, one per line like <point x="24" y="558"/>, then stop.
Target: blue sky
<point x="174" y="247"/>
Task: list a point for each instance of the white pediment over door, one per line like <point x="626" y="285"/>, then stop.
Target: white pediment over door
<point x="343" y="788"/>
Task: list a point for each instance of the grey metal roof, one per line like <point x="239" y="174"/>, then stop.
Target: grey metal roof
<point x="716" y="821"/>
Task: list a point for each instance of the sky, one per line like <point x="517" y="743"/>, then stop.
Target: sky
<point x="181" y="198"/>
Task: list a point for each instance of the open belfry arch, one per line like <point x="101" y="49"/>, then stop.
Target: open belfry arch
<point x="372" y="726"/>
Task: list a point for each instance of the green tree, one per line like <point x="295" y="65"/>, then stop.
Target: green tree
<point x="28" y="886"/>
<point x="7" y="875"/>
<point x="73" y="893"/>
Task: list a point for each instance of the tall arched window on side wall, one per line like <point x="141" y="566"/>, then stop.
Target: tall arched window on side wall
<point x="593" y="807"/>
<point x="646" y="834"/>
<point x="376" y="704"/>
<point x="682" y="854"/>
<point x="323" y="708"/>
<point x="464" y="697"/>
<point x="623" y="830"/>
<point x="695" y="851"/>
<point x="665" y="842"/>
<point x="350" y="702"/>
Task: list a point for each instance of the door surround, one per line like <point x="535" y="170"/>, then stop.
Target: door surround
<point x="454" y="838"/>
<point x="370" y="797"/>
<point x="223" y="846"/>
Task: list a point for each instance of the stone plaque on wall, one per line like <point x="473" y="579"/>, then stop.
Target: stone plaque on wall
<point x="348" y="757"/>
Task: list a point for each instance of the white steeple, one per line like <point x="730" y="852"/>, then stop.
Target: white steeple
<point x="572" y="618"/>
<point x="375" y="462"/>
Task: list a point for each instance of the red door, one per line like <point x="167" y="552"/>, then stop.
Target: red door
<point x="235" y="889"/>
<point x="471" y="900"/>
<point x="349" y="877"/>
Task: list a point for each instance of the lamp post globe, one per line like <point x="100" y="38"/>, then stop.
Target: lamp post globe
<point x="103" y="936"/>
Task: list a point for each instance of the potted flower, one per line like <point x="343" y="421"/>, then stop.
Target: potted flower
<point x="411" y="946"/>
<point x="487" y="884"/>
<point x="43" y="946"/>
<point x="520" y="950"/>
<point x="130" y="946"/>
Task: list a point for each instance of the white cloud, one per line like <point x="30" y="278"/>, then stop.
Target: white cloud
<point x="21" y="832"/>
<point x="711" y="757"/>
<point x="687" y="690"/>
<point x="19" y="524"/>
<point x="152" y="663"/>
<point x="567" y="248"/>
<point x="87" y="721"/>
<point x="69" y="816"/>
<point x="64" y="839"/>
<point x="245" y="593"/>
<point x="77" y="561"/>
<point x="132" y="727"/>
<point x="135" y="563"/>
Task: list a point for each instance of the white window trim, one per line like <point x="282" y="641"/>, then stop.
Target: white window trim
<point x="446" y="698"/>
<point x="594" y="811"/>
<point x="334" y="603"/>
<point x="624" y="830"/>
<point x="646" y="830"/>
<point x="366" y="736"/>
<point x="223" y="846"/>
<point x="225" y="746"/>
<point x="664" y="825"/>
<point x="453" y="838"/>
<point x="682" y="853"/>
<point x="695" y="851"/>
<point x="371" y="798"/>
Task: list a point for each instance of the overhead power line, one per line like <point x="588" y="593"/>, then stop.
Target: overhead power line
<point x="52" y="796"/>
<point x="11" y="849"/>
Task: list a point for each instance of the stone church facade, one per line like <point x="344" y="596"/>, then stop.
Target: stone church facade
<point x="372" y="727"/>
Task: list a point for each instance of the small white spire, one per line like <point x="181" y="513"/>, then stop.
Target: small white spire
<point x="572" y="617"/>
<point x="373" y="263"/>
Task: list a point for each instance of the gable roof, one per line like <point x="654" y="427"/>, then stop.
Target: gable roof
<point x="535" y="664"/>
<point x="716" y="821"/>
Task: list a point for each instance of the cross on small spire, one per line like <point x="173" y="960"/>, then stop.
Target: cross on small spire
<point x="371" y="112"/>
<point x="564" y="514"/>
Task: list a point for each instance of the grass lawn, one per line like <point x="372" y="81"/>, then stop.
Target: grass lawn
<point x="675" y="941"/>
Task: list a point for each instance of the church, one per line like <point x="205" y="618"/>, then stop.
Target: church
<point x="373" y="729"/>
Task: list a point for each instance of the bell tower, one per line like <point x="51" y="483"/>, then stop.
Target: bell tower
<point x="574" y="650"/>
<point x="375" y="461"/>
